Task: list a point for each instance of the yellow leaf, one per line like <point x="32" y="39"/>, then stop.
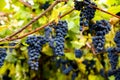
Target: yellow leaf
<point x="92" y="77"/>
<point x="3" y="27"/>
<point x="55" y="15"/>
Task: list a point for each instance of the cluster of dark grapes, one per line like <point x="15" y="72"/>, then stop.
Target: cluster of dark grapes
<point x="34" y="49"/>
<point x="48" y="31"/>
<point x="57" y="42"/>
<point x="68" y="66"/>
<point x="87" y="12"/>
<point x="3" y="54"/>
<point x="113" y="57"/>
<point x="101" y="28"/>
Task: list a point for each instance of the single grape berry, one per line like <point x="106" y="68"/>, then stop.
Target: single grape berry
<point x="78" y="53"/>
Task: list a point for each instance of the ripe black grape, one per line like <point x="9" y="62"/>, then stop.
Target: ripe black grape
<point x="117" y="39"/>
<point x="74" y="75"/>
<point x="78" y="53"/>
<point x="48" y="30"/>
<point x="45" y="6"/>
<point x="67" y="70"/>
<point x="3" y="54"/>
<point x="102" y="72"/>
<point x="78" y="5"/>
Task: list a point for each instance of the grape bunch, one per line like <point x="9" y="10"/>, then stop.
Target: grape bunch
<point x="87" y="12"/>
<point x="101" y="28"/>
<point x="34" y="49"/>
<point x="58" y="41"/>
<point x="3" y="54"/>
<point x="86" y="15"/>
<point x="113" y="57"/>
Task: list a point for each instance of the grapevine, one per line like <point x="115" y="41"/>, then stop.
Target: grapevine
<point x="69" y="39"/>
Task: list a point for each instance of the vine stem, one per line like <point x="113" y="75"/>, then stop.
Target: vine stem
<point x="39" y="28"/>
<point x="33" y="20"/>
<point x="26" y="4"/>
<point x="105" y="11"/>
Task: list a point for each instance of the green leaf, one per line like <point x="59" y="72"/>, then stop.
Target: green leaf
<point x="2" y="4"/>
<point x="70" y="56"/>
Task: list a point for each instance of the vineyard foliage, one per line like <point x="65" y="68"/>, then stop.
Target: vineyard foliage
<point x="65" y="49"/>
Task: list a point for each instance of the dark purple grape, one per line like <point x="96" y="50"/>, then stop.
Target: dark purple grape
<point x="45" y="6"/>
<point x="74" y="75"/>
<point x="78" y="53"/>
<point x="3" y="54"/>
<point x="117" y="38"/>
<point x="78" y="5"/>
<point x="67" y="70"/>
